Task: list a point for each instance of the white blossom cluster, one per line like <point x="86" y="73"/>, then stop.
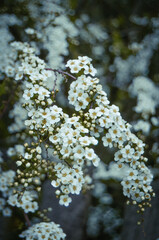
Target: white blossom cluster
<point x="25" y="201"/>
<point x="66" y="134"/>
<point x="147" y="95"/>
<point x="111" y="171"/>
<point x="53" y="32"/>
<point x="7" y="59"/>
<point x="141" y="86"/>
<point x="137" y="64"/>
<point x="107" y="221"/>
<point x="132" y="75"/>
<point x="68" y="140"/>
<point x="19" y="115"/>
<point x="103" y="217"/>
<point x="142" y="21"/>
<point x="147" y="102"/>
<point x="55" y="28"/>
<point x="106" y="118"/>
<point x="6" y="178"/>
<point x="94" y="34"/>
<point x="44" y="231"/>
<point x="71" y="138"/>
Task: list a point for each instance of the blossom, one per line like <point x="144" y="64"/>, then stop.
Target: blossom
<point x="65" y="200"/>
<point x="43" y="230"/>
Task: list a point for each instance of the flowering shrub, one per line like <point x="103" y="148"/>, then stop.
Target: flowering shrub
<point x="54" y="144"/>
<point x="70" y="138"/>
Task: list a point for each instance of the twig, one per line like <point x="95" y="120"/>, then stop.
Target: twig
<point x="55" y="82"/>
<point x="61" y="72"/>
<point x="68" y="164"/>
<point x="27" y="219"/>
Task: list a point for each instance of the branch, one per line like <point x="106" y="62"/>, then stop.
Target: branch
<point x="61" y="72"/>
<point x="27" y="219"/>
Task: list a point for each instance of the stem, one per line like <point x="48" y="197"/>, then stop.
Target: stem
<point x="68" y="164"/>
<point x="27" y="219"/>
<point x="61" y="72"/>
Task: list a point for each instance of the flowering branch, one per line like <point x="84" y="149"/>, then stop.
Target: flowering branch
<point x="61" y="72"/>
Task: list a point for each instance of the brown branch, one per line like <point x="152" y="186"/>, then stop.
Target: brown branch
<point x="27" y="219"/>
<point x="61" y="72"/>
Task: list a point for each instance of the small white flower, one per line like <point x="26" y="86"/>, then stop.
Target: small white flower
<point x="38" y="150"/>
<point x="85" y="141"/>
<point x="7" y="212"/>
<point x="19" y="163"/>
<point x="90" y="70"/>
<point x="90" y="154"/>
<point x="65" y="200"/>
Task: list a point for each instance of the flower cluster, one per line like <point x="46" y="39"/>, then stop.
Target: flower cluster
<point x="6" y="178"/>
<point x="44" y="231"/>
<point x="25" y="201"/>
<point x="107" y="120"/>
<point x="60" y="147"/>
<point x="137" y="64"/>
<point x="66" y="134"/>
<point x="82" y="63"/>
<point x="145" y="89"/>
<point x="70" y="138"/>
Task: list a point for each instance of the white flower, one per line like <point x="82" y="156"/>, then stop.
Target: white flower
<point x="71" y="63"/>
<point x="7" y="212"/>
<point x="75" y="68"/>
<point x="85" y="141"/>
<point x="19" y="163"/>
<point x="38" y="150"/>
<point x="90" y="154"/>
<point x="84" y="59"/>
<point x="75" y="188"/>
<point x="33" y="206"/>
<point x="12" y="200"/>
<point x="27" y="94"/>
<point x="27" y="156"/>
<point x="72" y="120"/>
<point x="65" y="189"/>
<point x="107" y="140"/>
<point x="96" y="161"/>
<point x="66" y="151"/>
<point x="94" y="141"/>
<point x="132" y="174"/>
<point x="55" y="183"/>
<point x="114" y="132"/>
<point x="127" y="151"/>
<point x="94" y="113"/>
<point x="54" y="139"/>
<point x="65" y="200"/>
<point x="44" y="112"/>
<point x="90" y="70"/>
<point x="18" y="76"/>
<point x="78" y="152"/>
